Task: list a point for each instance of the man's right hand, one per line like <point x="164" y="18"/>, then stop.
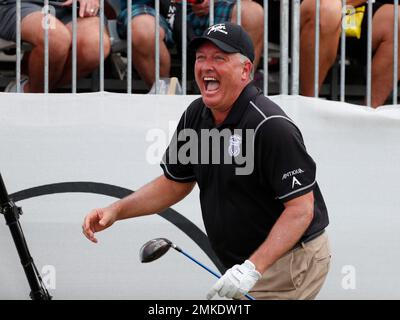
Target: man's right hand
<point x="98" y="220"/>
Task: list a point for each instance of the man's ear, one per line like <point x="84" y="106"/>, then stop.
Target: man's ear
<point x="246" y="72"/>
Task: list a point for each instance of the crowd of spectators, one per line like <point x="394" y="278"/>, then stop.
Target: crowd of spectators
<point x="60" y="41"/>
<point x="143" y="37"/>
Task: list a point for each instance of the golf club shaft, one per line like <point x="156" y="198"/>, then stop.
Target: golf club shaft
<point x="205" y="267"/>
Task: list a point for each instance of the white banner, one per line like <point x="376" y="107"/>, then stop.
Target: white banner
<point x="82" y="145"/>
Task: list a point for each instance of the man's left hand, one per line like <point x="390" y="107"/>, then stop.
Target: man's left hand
<point x="236" y="281"/>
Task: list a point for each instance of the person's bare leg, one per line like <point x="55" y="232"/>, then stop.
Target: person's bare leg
<point x="88" y="48"/>
<point x="59" y="46"/>
<point x="143" y="49"/>
<point x="252" y="19"/>
<point x="382" y="62"/>
<point x="330" y="28"/>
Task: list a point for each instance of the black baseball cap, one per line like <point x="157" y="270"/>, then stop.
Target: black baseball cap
<point x="227" y="36"/>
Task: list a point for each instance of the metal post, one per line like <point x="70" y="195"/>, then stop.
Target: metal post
<point x="157" y="51"/>
<point x="184" y="44"/>
<point x="343" y="54"/>
<point x="101" y="45"/>
<point x="239" y="12"/>
<point x="18" y="31"/>
<point x="211" y="12"/>
<point x="46" y="47"/>
<point x="265" y="59"/>
<point x="369" y="53"/>
<point x="395" y="49"/>
<point x="316" y="48"/>
<point x="74" y="45"/>
<point x="295" y="46"/>
<point x="284" y="60"/>
<point x="129" y="47"/>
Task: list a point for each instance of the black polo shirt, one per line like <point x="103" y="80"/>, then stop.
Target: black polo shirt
<point x="262" y="163"/>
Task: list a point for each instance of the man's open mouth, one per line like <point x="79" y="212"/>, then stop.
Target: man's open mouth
<point x="211" y="84"/>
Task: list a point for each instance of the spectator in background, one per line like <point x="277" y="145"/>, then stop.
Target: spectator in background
<point x="143" y="37"/>
<point x="143" y="29"/>
<point x="382" y="44"/>
<point x="330" y="29"/>
<point x="252" y="15"/>
<point x="382" y="47"/>
<point x="60" y="41"/>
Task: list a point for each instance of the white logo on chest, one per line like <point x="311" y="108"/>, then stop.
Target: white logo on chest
<point x="234" y="145"/>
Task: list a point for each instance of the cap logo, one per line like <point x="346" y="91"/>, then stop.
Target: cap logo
<point x="217" y="28"/>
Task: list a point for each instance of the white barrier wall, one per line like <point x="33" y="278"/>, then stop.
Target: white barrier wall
<point x="116" y="138"/>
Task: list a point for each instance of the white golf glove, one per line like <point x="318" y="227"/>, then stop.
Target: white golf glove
<point x="236" y="281"/>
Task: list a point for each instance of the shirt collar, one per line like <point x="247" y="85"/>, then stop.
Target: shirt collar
<point x="237" y="110"/>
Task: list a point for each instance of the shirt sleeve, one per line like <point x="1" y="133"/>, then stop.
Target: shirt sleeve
<point x="283" y="159"/>
<point x="174" y="169"/>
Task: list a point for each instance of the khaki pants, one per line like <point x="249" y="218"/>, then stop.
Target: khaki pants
<point x="298" y="275"/>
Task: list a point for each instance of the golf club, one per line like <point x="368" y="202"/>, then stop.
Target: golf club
<point x="156" y="248"/>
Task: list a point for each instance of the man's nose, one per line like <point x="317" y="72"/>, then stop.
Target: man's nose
<point x="207" y="64"/>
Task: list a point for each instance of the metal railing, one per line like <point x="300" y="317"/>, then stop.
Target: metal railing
<point x="286" y="78"/>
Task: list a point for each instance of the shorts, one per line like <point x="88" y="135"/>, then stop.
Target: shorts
<point x="138" y="9"/>
<point x="8" y="17"/>
<point x="222" y="13"/>
<point x="357" y="48"/>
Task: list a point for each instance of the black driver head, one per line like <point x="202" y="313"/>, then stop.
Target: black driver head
<point x="154" y="249"/>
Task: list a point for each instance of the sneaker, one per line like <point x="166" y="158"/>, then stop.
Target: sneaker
<point x="167" y="86"/>
<point x="12" y="86"/>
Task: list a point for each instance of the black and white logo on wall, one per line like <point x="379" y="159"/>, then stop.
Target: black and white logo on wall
<point x="171" y="215"/>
